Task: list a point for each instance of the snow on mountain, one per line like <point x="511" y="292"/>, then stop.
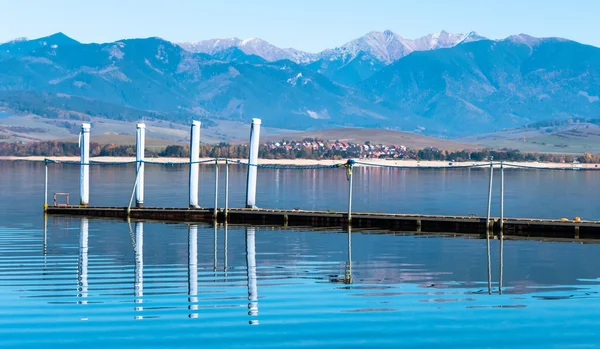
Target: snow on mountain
<point x="251" y="46"/>
<point x="385" y="46"/>
<point x="388" y="46"/>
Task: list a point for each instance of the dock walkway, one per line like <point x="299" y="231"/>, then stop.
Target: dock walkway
<point x="522" y="227"/>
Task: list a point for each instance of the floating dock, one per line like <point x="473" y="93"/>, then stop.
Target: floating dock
<point x="521" y="227"/>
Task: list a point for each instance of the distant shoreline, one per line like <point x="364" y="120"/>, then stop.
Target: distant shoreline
<point x="311" y="162"/>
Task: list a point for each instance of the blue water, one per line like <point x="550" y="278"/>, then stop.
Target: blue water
<point x="76" y="282"/>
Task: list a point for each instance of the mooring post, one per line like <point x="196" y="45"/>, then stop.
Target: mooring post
<point x="349" y="166"/>
<point x="45" y="185"/>
<point x="84" y="174"/>
<point x="140" y="142"/>
<point x="216" y="210"/>
<point x="487" y="234"/>
<point x="489" y="205"/>
<point x="194" y="164"/>
<point x="193" y="269"/>
<point x="501" y="198"/>
<point x="226" y="188"/>
<point x="251" y="273"/>
<point x="253" y="163"/>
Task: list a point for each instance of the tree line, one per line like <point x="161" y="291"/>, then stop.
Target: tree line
<point x="240" y="151"/>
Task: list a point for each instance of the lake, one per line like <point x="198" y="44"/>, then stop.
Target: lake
<point x="77" y="282"/>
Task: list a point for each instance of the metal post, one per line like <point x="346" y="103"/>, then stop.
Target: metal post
<point x="251" y="273"/>
<point x="501" y="198"/>
<point x="133" y="191"/>
<point x="216" y="210"/>
<point x="487" y="234"/>
<point x="226" y="188"/>
<point x="84" y="175"/>
<point x="194" y="164"/>
<point x="140" y="146"/>
<point x="252" y="163"/>
<point x="489" y="205"/>
<point x="501" y="227"/>
<point x="349" y="166"/>
<point x="45" y="186"/>
<point x="193" y="269"/>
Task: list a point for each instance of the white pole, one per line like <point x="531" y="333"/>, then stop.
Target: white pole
<point x="140" y="141"/>
<point x="194" y="165"/>
<point x="252" y="279"/>
<point x="83" y="260"/>
<point x="252" y="163"/>
<point x="193" y="268"/>
<point x="349" y="174"/>
<point x="139" y="268"/>
<point x="501" y="227"/>
<point x="226" y="188"/>
<point x="84" y="176"/>
<point x="216" y="210"/>
<point x="489" y="205"/>
<point x="45" y="186"/>
<point x="501" y="198"/>
<point x="487" y="233"/>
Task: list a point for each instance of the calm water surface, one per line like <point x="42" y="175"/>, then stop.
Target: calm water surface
<point x="77" y="282"/>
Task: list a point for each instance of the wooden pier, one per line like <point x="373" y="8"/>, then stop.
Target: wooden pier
<point x="521" y="227"/>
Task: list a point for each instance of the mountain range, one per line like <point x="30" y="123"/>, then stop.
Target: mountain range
<point x="441" y="84"/>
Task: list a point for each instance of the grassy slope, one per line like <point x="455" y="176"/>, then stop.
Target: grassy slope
<point x="565" y="140"/>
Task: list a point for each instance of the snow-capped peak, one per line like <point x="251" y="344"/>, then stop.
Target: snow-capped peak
<point x="249" y="40"/>
<point x="250" y="46"/>
<point x="388" y="46"/>
<point x="385" y="46"/>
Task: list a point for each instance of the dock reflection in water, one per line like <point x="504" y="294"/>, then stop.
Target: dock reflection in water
<point x="195" y="282"/>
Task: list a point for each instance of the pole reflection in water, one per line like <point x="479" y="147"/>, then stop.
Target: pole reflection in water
<point x="215" y="249"/>
<point x="45" y="246"/>
<point x="251" y="270"/>
<point x="225" y="228"/>
<point x="193" y="270"/>
<point x="83" y="261"/>
<point x="501" y="273"/>
<point x="139" y="268"/>
<point x="348" y="271"/>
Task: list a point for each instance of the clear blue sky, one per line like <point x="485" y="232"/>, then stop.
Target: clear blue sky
<point x="310" y="25"/>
